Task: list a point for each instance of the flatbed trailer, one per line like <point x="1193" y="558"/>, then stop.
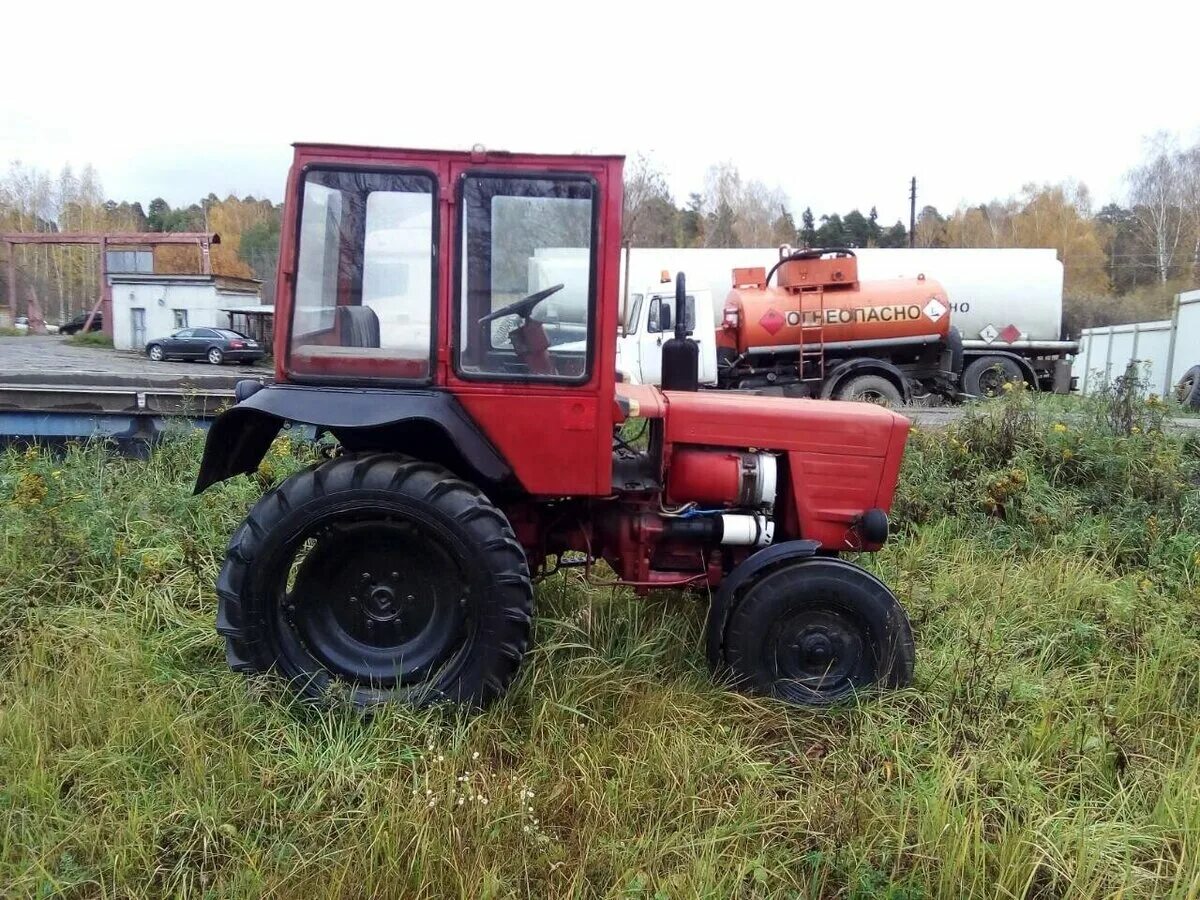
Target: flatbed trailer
<point x="123" y="413"/>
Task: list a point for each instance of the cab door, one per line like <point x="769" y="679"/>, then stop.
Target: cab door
<point x="650" y="341"/>
<point x="526" y="227"/>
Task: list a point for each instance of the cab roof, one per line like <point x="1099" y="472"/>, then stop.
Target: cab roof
<point x="476" y="155"/>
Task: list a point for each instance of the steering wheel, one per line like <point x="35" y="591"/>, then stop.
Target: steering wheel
<point x="522" y="307"/>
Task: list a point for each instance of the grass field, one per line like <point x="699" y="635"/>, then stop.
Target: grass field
<point x="1050" y="746"/>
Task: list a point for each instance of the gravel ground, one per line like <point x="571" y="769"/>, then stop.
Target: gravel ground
<point x="52" y="359"/>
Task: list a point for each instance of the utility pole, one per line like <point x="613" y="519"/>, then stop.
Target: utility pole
<point x="912" y="214"/>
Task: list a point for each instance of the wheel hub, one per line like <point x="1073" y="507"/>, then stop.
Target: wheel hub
<point x="378" y="602"/>
<point x="816" y="647"/>
<point x="382" y="605"/>
<point x="819" y="649"/>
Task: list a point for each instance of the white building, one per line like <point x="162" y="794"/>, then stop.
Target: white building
<point x="151" y="306"/>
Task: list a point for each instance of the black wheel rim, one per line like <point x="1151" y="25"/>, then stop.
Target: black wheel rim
<point x="819" y="653"/>
<point x="992" y="381"/>
<point x="379" y="601"/>
<point x="873" y="396"/>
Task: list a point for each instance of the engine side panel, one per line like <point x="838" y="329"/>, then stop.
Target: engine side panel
<point x="842" y="458"/>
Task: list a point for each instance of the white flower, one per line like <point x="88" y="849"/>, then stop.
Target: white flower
<point x="475" y="755"/>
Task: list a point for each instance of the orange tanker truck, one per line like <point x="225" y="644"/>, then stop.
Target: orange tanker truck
<point x="809" y="327"/>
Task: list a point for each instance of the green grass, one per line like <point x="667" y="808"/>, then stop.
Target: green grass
<point x="1050" y="746"/>
<point x="13" y="332"/>
<point x="90" y="339"/>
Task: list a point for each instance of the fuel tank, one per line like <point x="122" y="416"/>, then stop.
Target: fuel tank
<point x="821" y="301"/>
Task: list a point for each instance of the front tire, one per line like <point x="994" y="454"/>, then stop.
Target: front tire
<point x="817" y="632"/>
<point x="377" y="578"/>
<point x="156" y="353"/>
<point x="215" y="356"/>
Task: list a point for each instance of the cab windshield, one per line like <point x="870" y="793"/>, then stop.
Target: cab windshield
<point x="526" y="285"/>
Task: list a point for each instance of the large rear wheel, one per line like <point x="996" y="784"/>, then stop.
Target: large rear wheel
<point x="871" y="389"/>
<point x="377" y="578"/>
<point x="987" y="375"/>
<point x="1187" y="392"/>
<point x="816" y="632"/>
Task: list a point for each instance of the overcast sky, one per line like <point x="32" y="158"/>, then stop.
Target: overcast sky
<point x="836" y="103"/>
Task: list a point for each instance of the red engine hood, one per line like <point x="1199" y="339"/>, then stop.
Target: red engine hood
<point x="842" y="458"/>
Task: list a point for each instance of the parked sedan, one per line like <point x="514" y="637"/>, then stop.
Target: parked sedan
<point x="75" y="325"/>
<point x="217" y="345"/>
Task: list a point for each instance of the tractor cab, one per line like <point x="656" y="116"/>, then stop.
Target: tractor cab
<point x="477" y="276"/>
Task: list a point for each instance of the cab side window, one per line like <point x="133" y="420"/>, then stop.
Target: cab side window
<point x="364" y="293"/>
<point x="662" y="313"/>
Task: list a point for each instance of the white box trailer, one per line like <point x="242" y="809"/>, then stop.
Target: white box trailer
<point x="1165" y="349"/>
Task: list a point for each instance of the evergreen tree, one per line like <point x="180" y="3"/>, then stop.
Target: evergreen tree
<point x="691" y="222"/>
<point x="784" y="227"/>
<point x="808" y="229"/>
<point x="720" y="227"/>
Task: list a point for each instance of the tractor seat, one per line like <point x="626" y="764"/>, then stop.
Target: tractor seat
<point x="358" y="326"/>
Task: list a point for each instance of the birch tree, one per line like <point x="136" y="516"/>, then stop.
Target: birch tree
<point x="1156" y="192"/>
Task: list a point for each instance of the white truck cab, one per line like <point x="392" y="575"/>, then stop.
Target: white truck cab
<point x="650" y="319"/>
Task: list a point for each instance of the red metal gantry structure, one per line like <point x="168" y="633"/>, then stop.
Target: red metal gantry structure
<point x="103" y="240"/>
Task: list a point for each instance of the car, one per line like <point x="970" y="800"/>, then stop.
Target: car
<point x="217" y="345"/>
<point x="21" y="323"/>
<point x="75" y="325"/>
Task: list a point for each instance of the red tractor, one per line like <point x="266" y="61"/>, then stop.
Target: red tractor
<point x="485" y="442"/>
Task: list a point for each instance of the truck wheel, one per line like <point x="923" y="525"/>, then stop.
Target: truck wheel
<point x="376" y="578"/>
<point x="871" y="389"/>
<point x="987" y="375"/>
<point x="816" y="632"/>
<point x="1187" y="392"/>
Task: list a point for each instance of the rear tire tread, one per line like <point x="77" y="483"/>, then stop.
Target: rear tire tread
<point x="246" y="646"/>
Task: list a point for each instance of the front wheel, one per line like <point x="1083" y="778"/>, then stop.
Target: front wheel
<point x="377" y="578"/>
<point x="215" y="356"/>
<point x="156" y="353"/>
<point x="817" y="632"/>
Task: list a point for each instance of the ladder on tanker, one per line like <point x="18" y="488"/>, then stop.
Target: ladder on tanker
<point x="812" y="337"/>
